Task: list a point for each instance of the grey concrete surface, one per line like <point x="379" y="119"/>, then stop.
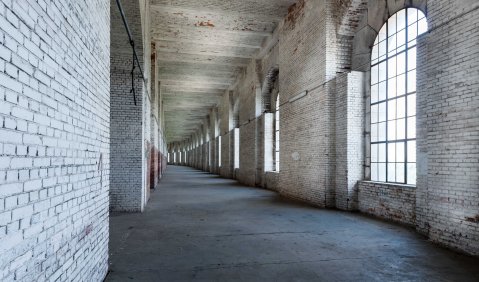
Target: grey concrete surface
<point x="198" y="227"/>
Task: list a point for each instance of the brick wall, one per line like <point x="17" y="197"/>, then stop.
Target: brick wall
<point x="54" y="140"/>
<point x="448" y="119"/>
<point x="392" y="202"/>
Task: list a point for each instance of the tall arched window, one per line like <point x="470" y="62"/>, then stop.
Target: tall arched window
<point x="276" y="135"/>
<point x="393" y="98"/>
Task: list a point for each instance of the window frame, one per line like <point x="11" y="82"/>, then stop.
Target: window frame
<point x="377" y="61"/>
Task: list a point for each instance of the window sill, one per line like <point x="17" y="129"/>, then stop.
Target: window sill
<point x="408" y="186"/>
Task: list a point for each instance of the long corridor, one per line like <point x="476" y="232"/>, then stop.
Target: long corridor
<point x="199" y="227"/>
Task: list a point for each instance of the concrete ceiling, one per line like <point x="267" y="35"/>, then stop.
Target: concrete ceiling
<point x="202" y="46"/>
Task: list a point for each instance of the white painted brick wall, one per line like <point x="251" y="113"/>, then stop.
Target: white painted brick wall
<point x="448" y="119"/>
<point x="54" y="126"/>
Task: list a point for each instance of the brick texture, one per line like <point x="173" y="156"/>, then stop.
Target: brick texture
<point x="448" y="119"/>
<point x="54" y="140"/>
<point x="392" y="202"/>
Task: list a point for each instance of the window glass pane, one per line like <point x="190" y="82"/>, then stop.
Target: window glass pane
<point x="382" y="152"/>
<point x="420" y="15"/>
<point x="382" y="71"/>
<point x="374" y="93"/>
<point x="382" y="33"/>
<point x="382" y="50"/>
<point x="392" y="88"/>
<point x="421" y="26"/>
<point x="401" y="19"/>
<point x="412" y="32"/>
<point x="411" y="81"/>
<point x="374" y="132"/>
<point x="374" y="171"/>
<point x="401" y="129"/>
<point x="411" y="173"/>
<point x="382" y="131"/>
<point x="401" y="63"/>
<point x="411" y="105"/>
<point x="400" y="153"/>
<point x="381" y="172"/>
<point x="391" y="172"/>
<point x="392" y="130"/>
<point x="374" y="53"/>
<point x="392" y="152"/>
<point x="411" y="127"/>
<point x="391" y="25"/>
<point x="392" y="45"/>
<point x="401" y="39"/>
<point x="401" y="107"/>
<point x="411" y="59"/>
<point x="400" y="172"/>
<point x="401" y="85"/>
<point x="392" y="67"/>
<point x="382" y="91"/>
<point x="411" y="151"/>
<point x="392" y="109"/>
<point x="374" y="113"/>
<point x="411" y="15"/>
<point x="411" y="43"/>
<point x="374" y="153"/>
<point x="382" y="112"/>
<point x="374" y="75"/>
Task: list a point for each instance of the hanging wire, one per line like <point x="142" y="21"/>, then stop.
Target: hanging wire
<point x="135" y="56"/>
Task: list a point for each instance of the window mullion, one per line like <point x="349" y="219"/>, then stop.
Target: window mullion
<point x="387" y="101"/>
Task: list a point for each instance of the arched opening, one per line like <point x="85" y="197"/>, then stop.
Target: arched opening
<point x="269" y="85"/>
<point x="393" y="98"/>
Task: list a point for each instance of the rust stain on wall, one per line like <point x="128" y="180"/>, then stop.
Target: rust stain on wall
<point x="295" y="12"/>
<point x="474" y="219"/>
<point x="207" y="23"/>
<point x="153" y="52"/>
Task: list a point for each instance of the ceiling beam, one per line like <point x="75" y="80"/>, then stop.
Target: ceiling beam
<point x="206" y="42"/>
<point x="204" y="49"/>
<point x="202" y="59"/>
<point x="196" y="8"/>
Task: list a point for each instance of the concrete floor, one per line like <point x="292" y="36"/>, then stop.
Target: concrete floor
<point x="198" y="227"/>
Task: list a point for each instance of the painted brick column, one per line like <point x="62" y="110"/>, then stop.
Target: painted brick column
<point x="349" y="138"/>
<point x="126" y="118"/>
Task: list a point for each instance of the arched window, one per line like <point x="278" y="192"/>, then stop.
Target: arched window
<point x="393" y="98"/>
<point x="276" y="135"/>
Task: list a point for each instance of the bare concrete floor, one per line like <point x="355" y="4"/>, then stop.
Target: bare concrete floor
<point x="198" y="227"/>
